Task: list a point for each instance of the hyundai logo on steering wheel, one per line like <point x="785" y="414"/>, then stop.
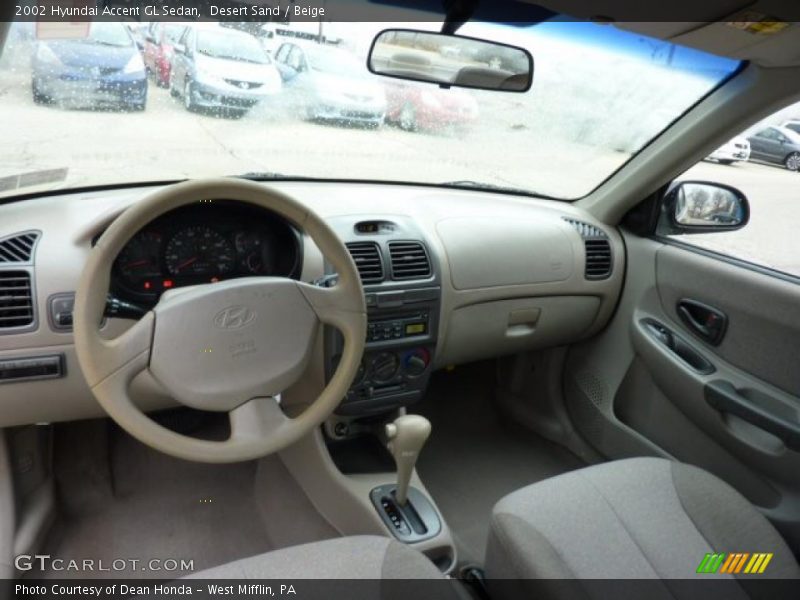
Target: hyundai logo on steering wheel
<point x="234" y="317"/>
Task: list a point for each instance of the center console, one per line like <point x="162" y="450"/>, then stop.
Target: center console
<point x="403" y="296"/>
<point x="358" y="470"/>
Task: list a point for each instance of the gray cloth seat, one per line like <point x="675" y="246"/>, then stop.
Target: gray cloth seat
<point x="641" y="518"/>
<point x="355" y="557"/>
<point x="364" y="566"/>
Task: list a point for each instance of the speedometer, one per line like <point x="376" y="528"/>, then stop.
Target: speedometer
<point x="199" y="251"/>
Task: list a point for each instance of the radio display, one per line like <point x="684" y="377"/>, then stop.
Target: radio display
<point x="415" y="328"/>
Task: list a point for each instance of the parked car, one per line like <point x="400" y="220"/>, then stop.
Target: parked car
<point x="221" y="68"/>
<point x="102" y="69"/>
<point x="794" y="125"/>
<point x="779" y="145"/>
<point x="159" y="41"/>
<point x="329" y="83"/>
<point x="418" y="106"/>
<point x="735" y="150"/>
<point x="138" y="32"/>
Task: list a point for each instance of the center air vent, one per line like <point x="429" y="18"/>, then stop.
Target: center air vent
<point x="18" y="248"/>
<point x="367" y="257"/>
<point x="409" y="260"/>
<point x="598" y="250"/>
<point x="16" y="299"/>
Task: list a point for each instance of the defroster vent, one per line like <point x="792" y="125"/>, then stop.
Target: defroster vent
<point x="18" y="248"/>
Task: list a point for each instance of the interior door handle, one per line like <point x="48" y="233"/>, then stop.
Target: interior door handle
<point x="723" y="396"/>
<point x="703" y="320"/>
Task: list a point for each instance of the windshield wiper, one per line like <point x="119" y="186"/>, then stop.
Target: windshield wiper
<point x="269" y="176"/>
<point x="105" y="43"/>
<point x="492" y="187"/>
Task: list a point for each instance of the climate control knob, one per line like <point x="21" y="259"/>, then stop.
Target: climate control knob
<point x="416" y="361"/>
<point x="385" y="367"/>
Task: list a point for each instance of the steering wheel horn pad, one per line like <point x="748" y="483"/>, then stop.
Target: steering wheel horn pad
<point x="217" y="346"/>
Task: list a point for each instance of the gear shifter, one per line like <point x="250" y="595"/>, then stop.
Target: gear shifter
<point x="407" y="436"/>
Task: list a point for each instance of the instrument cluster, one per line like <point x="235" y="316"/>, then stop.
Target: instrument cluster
<point x="205" y="243"/>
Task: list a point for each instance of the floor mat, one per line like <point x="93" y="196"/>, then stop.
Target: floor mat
<point x="472" y="459"/>
<point x="161" y="508"/>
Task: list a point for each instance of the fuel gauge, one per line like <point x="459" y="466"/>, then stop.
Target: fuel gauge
<point x="254" y="252"/>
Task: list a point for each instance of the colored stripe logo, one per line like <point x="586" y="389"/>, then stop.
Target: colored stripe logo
<point x="735" y="562"/>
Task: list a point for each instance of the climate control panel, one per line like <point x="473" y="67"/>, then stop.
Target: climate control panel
<point x="400" y="345"/>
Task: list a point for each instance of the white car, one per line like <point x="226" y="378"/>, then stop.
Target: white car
<point x="737" y="149"/>
<point x="793" y="124"/>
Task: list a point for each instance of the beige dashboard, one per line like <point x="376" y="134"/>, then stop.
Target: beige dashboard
<point x="513" y="276"/>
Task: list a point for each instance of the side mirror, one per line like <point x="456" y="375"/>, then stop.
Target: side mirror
<point x="287" y="73"/>
<point x="149" y="37"/>
<point x="450" y="60"/>
<point x="179" y="49"/>
<point x="702" y="207"/>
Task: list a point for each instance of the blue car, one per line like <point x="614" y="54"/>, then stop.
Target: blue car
<point x="103" y="69"/>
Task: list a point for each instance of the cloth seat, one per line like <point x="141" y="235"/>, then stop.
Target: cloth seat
<point x="641" y="518"/>
<point x="358" y="566"/>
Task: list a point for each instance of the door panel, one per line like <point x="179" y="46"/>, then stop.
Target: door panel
<point x="663" y="385"/>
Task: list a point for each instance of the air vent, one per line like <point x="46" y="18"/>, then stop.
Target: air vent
<point x="598" y="259"/>
<point x="409" y="260"/>
<point x="18" y="248"/>
<point x="586" y="230"/>
<point x="16" y="299"/>
<point x="368" y="261"/>
<point x="598" y="249"/>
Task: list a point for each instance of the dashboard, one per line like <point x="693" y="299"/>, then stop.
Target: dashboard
<point x="505" y="275"/>
<point x="205" y="243"/>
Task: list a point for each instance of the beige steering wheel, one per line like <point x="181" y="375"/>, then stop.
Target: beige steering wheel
<point x="229" y="347"/>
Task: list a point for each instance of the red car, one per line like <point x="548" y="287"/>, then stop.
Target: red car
<point x="157" y="52"/>
<point x="419" y="106"/>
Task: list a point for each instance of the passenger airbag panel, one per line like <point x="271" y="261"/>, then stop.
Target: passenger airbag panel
<point x="492" y="252"/>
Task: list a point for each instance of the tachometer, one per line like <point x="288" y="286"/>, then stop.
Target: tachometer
<point x="140" y="257"/>
<point x="199" y="251"/>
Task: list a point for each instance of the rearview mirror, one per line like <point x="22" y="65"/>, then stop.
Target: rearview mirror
<point x="703" y="207"/>
<point x="450" y="60"/>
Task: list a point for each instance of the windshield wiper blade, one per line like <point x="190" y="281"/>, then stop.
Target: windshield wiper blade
<point x="469" y="183"/>
<point x="269" y="176"/>
<point x="492" y="187"/>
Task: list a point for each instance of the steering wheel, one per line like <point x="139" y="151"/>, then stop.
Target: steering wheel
<point x="231" y="346"/>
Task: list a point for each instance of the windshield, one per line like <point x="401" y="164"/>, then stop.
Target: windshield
<point x="599" y="95"/>
<point x="172" y="33"/>
<point x="331" y="60"/>
<point x="221" y="44"/>
<point x="109" y="34"/>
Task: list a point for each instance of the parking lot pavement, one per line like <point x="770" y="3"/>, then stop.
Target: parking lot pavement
<point x="167" y="142"/>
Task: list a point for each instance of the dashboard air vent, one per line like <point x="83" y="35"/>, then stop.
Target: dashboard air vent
<point x="598" y="259"/>
<point x="368" y="261"/>
<point x="598" y="250"/>
<point x="586" y="230"/>
<point x="409" y="260"/>
<point x="18" y="248"/>
<point x="16" y="299"/>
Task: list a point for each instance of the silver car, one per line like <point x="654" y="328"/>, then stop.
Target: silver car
<point x="326" y="83"/>
<point x="220" y="68"/>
